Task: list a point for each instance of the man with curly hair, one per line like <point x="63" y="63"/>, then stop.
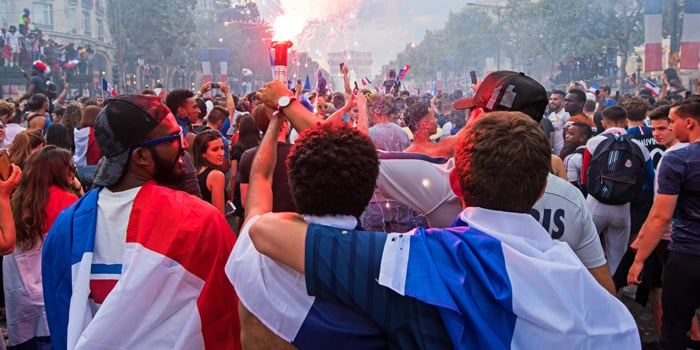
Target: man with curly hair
<point x="332" y="171"/>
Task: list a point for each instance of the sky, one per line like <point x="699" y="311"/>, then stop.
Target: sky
<point x="383" y="27"/>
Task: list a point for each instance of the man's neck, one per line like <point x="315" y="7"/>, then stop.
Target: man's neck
<point x="380" y="119"/>
<point x="575" y="112"/>
<point x="557" y="111"/>
<point x="634" y="124"/>
<point x="671" y="144"/>
<point x="421" y="137"/>
<point x="129" y="180"/>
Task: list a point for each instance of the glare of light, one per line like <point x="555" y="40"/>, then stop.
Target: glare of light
<point x="413" y="45"/>
<point x="288" y="26"/>
<point x="221" y="40"/>
<point x="355" y="43"/>
<point x="348" y="57"/>
<point x="352" y="15"/>
<point x="306" y="65"/>
<point x="387" y="205"/>
<point x="426" y="183"/>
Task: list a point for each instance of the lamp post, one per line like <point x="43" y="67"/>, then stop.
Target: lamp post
<point x="640" y="64"/>
<point x="498" y="9"/>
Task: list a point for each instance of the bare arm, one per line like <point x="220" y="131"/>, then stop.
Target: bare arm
<point x="338" y="115"/>
<point x="230" y="106"/>
<point x="558" y="167"/>
<point x="362" y="114"/>
<point x="602" y="275"/>
<point x="62" y="95"/>
<point x="300" y="117"/>
<point x="260" y="200"/>
<point x="216" y="182"/>
<point x="30" y="92"/>
<point x="651" y="232"/>
<point x="346" y="82"/>
<point x="287" y="248"/>
<point x="7" y="222"/>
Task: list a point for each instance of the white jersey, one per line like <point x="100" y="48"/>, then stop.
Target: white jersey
<point x="563" y="212"/>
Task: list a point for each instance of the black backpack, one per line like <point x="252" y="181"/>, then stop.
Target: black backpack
<point x="48" y="88"/>
<point x="617" y="171"/>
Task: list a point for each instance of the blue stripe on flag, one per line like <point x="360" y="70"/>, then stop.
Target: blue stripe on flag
<point x="654" y="7"/>
<point x="115" y="269"/>
<point x="204" y="55"/>
<point x="692" y="7"/>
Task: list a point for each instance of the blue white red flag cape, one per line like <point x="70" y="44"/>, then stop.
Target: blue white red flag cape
<point x="172" y="292"/>
<point x="107" y="87"/>
<point x="501" y="282"/>
<point x="276" y="295"/>
<point x="402" y="73"/>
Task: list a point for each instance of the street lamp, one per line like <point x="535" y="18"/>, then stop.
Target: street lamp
<point x="640" y="63"/>
<point x="498" y="9"/>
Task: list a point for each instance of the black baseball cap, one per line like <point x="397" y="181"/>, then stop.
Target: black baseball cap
<point x="123" y="123"/>
<point x="508" y="91"/>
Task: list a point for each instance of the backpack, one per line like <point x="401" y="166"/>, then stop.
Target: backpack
<point x="47" y="88"/>
<point x="617" y="170"/>
<point x="581" y="187"/>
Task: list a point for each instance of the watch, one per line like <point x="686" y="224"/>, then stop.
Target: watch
<point x="284" y="101"/>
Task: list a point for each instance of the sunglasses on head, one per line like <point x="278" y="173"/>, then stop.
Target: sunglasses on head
<point x="150" y="143"/>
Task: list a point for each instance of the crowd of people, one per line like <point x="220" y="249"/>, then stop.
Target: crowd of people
<point x="25" y="43"/>
<point x="296" y="218"/>
<point x="586" y="67"/>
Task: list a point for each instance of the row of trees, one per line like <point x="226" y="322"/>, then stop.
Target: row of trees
<point x="533" y="36"/>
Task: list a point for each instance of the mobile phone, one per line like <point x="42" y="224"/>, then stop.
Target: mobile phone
<point x="5" y="165"/>
<point x="356" y="89"/>
<point x="472" y="74"/>
<point x="341" y="66"/>
<point x="214" y="85"/>
<point x="617" y="94"/>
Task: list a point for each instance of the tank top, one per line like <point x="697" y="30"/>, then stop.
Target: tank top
<point x="202" y="180"/>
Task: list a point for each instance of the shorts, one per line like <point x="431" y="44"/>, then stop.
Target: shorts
<point x="14" y="49"/>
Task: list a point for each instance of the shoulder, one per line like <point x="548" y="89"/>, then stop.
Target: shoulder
<point x="216" y="175"/>
<point x="560" y="193"/>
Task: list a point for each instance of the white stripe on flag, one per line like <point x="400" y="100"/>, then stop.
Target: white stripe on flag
<point x="652" y="28"/>
<point x="394" y="265"/>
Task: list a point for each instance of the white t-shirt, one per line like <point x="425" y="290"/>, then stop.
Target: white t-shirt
<point x="113" y="212"/>
<point x="563" y="212"/>
<point x="13" y="39"/>
<point x="573" y="163"/>
<point x="558" y="121"/>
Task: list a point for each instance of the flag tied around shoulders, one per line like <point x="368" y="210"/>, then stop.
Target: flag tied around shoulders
<point x="107" y="87"/>
<point x="652" y="35"/>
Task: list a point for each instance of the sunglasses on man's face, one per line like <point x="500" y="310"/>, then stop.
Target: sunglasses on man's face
<point x="150" y="143"/>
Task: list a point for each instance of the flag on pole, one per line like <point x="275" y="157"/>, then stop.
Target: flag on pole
<point x="106" y="87"/>
<point x="402" y="72"/>
<point x="655" y="89"/>
<point x="633" y="79"/>
<point x="206" y="66"/>
<point x="690" y="42"/>
<point x="652" y="35"/>
<point x="366" y="81"/>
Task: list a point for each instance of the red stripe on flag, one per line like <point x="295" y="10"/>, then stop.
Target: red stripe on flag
<point x="99" y="289"/>
<point x="652" y="57"/>
<point x="689" y="55"/>
<point x="207" y="78"/>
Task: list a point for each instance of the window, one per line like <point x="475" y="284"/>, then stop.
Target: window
<point x="99" y="8"/>
<point x="42" y="14"/>
<point x="3" y="10"/>
<point x="73" y="18"/>
<point x="87" y="4"/>
<point x="100" y="30"/>
<point x="86" y="23"/>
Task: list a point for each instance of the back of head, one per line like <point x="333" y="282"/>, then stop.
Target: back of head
<point x="36" y="102"/>
<point x="248" y="134"/>
<point x="378" y="104"/>
<point x="615" y="116"/>
<point x="200" y="146"/>
<point x="57" y="135"/>
<point x="637" y="108"/>
<point x="7" y="109"/>
<point x="508" y="91"/>
<point x="176" y="98"/>
<point x="23" y="144"/>
<point x="333" y="170"/>
<point x="47" y="167"/>
<point x="493" y="148"/>
<point x="589" y="106"/>
<point x="414" y="113"/>
<point x="148" y="91"/>
<point x="73" y="115"/>
<point x="216" y="115"/>
<point x="89" y="116"/>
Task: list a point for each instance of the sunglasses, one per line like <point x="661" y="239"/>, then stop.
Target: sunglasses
<point x="321" y="106"/>
<point x="150" y="143"/>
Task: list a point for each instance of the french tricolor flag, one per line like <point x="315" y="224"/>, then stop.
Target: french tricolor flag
<point x="276" y="295"/>
<point x="690" y="42"/>
<point x="106" y="87"/>
<point x="366" y="81"/>
<point x="72" y="63"/>
<point x="652" y="35"/>
<point x="655" y="89"/>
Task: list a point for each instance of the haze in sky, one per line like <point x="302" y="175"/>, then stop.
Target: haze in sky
<point x="383" y="27"/>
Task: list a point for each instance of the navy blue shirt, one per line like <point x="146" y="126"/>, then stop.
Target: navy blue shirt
<point x="679" y="175"/>
<point x="343" y="267"/>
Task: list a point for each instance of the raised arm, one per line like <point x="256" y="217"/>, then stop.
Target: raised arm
<point x="338" y="115"/>
<point x="7" y="222"/>
<point x="259" y="200"/>
<point x="295" y="112"/>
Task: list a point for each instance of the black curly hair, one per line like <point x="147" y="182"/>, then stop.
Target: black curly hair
<point x="333" y="170"/>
